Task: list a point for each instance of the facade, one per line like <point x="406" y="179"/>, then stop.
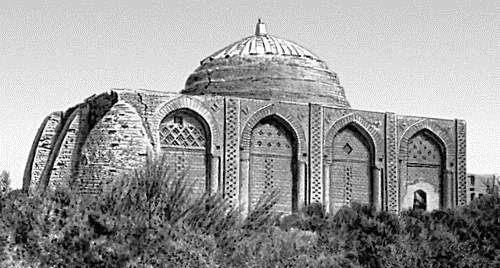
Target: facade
<point x="259" y="115"/>
<point x="479" y="185"/>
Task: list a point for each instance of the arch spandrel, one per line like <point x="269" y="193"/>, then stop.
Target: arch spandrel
<point x="195" y="106"/>
<point x="362" y="125"/>
<point x="283" y="114"/>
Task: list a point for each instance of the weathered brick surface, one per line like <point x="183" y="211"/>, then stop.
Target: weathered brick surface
<point x="116" y="144"/>
<point x="105" y="138"/>
<point x="43" y="147"/>
<point x="62" y="168"/>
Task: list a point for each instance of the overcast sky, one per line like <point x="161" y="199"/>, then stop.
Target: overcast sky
<point x="426" y="58"/>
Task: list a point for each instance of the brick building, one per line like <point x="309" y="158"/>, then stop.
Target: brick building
<point x="479" y="185"/>
<point x="262" y="113"/>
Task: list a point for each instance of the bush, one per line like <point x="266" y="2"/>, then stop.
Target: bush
<point x="151" y="219"/>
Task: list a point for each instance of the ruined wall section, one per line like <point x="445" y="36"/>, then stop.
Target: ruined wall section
<point x="61" y="169"/>
<point x="117" y="143"/>
<point x="40" y="150"/>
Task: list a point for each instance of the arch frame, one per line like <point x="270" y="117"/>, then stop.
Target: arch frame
<point x="447" y="147"/>
<point x="442" y="138"/>
<point x="375" y="145"/>
<point x="292" y="123"/>
<point x="375" y="140"/>
<point x="194" y="106"/>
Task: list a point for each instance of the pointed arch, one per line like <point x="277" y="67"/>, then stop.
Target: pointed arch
<point x="362" y="125"/>
<point x="283" y="114"/>
<point x="411" y="173"/>
<point x="195" y="106"/>
<point x="441" y="137"/>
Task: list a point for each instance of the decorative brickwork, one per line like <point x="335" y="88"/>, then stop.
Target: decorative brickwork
<point x="361" y="124"/>
<point x="391" y="186"/>
<point x="183" y="138"/>
<point x="461" y="163"/>
<point x="433" y="127"/>
<point x="347" y="185"/>
<point x="282" y="113"/>
<point x="352" y="160"/>
<point x="413" y="165"/>
<point x="424" y="167"/>
<point x="188" y="103"/>
<point x="268" y="175"/>
<point x="316" y="153"/>
<point x="272" y="154"/>
<point x="182" y="130"/>
<point x="231" y="152"/>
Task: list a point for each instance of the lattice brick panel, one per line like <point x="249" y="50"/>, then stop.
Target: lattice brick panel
<point x="316" y="154"/>
<point x="391" y="164"/>
<point x="461" y="164"/>
<point x="347" y="185"/>
<point x="231" y="152"/>
<point x="181" y="130"/>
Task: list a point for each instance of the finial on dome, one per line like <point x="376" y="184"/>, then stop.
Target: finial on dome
<point x="260" y="29"/>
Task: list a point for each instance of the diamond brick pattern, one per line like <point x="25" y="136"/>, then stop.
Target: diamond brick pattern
<point x="182" y="131"/>
<point x="461" y="164"/>
<point x="231" y="159"/>
<point x="391" y="155"/>
<point x="316" y="153"/>
<point x="271" y="164"/>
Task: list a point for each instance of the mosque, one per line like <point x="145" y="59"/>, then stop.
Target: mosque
<point x="259" y="115"/>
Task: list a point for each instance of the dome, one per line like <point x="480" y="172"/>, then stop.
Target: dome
<point x="266" y="67"/>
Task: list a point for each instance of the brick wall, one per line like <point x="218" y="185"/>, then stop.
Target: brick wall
<point x="351" y="171"/>
<point x="271" y="157"/>
<point x="183" y="137"/>
<point x="424" y="167"/>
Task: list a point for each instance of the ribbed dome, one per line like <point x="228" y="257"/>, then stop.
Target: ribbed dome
<point x="266" y="67"/>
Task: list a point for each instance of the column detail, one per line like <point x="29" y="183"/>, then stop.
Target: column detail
<point x="391" y="156"/>
<point x="316" y="153"/>
<point x="461" y="184"/>
<point x="231" y="152"/>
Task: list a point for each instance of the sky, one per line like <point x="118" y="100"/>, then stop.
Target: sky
<point x="426" y="58"/>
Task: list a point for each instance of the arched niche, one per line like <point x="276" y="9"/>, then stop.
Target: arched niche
<point x="273" y="163"/>
<point x="185" y="138"/>
<point x="352" y="168"/>
<point x="424" y="165"/>
<point x="280" y="118"/>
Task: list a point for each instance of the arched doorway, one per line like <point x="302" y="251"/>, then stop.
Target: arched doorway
<point x="185" y="138"/>
<point x="425" y="169"/>
<point x="420" y="200"/>
<point x="273" y="158"/>
<point x="351" y="171"/>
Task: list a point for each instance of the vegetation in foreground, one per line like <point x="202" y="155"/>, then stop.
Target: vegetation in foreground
<point x="148" y="219"/>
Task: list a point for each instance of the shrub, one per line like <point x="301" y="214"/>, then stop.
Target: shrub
<point x="150" y="218"/>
